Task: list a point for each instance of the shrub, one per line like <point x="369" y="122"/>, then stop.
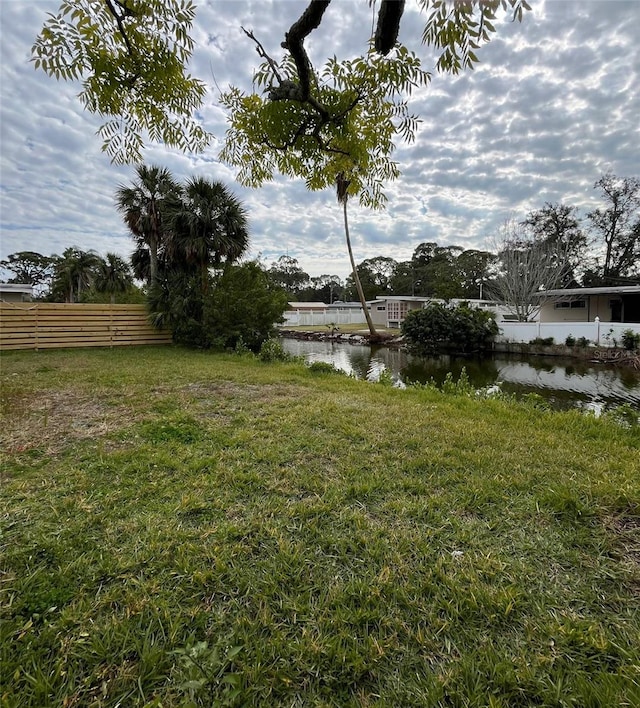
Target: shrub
<point x="542" y="341"/>
<point x="583" y="342"/>
<point x="272" y="350"/>
<point x="438" y="326"/>
<point x="570" y="341"/>
<point x="630" y="339"/>
<point x="324" y="367"/>
<point x="238" y="308"/>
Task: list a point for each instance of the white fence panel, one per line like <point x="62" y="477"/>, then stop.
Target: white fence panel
<point x="603" y="334"/>
<point x="302" y="318"/>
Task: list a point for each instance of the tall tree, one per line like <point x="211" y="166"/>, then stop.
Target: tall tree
<point x="113" y="276"/>
<point x="208" y="225"/>
<point x="616" y="227"/>
<point x="558" y="225"/>
<point x="342" y="189"/>
<point x="142" y="207"/>
<point x="474" y="272"/>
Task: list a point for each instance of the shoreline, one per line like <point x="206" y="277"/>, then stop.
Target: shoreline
<point x="597" y="355"/>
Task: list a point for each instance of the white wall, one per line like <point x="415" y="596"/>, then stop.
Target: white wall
<point x="600" y="333"/>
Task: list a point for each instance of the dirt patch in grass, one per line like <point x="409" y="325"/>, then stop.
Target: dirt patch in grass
<point x="626" y="530"/>
<point x="51" y="419"/>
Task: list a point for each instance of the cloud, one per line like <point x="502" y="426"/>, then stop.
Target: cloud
<point x="552" y="106"/>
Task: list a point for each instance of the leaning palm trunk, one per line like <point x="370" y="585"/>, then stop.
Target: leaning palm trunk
<point x="342" y="185"/>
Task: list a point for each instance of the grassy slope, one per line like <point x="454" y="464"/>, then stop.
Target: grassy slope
<point x="187" y="527"/>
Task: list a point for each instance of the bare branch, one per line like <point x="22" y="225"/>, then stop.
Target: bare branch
<point x="263" y="54"/>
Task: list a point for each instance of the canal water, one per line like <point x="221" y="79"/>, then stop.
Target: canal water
<point x="564" y="383"/>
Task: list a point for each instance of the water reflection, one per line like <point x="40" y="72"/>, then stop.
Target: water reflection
<point x="564" y="383"/>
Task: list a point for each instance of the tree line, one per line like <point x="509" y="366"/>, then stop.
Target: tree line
<point x="185" y="235"/>
<point x="551" y="247"/>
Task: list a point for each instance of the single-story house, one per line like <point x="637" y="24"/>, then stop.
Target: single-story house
<point x="390" y="311"/>
<point x="16" y="292"/>
<point x="609" y="304"/>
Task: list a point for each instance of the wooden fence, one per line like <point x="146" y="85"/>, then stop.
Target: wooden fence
<point x="31" y="325"/>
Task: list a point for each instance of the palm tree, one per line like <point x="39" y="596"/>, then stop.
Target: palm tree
<point x="113" y="276"/>
<point x="142" y="207"/>
<point x="342" y="185"/>
<point x="208" y="226"/>
<point x="74" y="272"/>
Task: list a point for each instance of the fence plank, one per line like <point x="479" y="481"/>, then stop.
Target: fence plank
<point x="61" y="325"/>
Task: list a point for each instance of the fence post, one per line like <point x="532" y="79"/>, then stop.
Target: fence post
<point x="597" y="321"/>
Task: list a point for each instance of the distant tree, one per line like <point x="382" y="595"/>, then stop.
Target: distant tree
<point x="74" y="272"/>
<point x="30" y="268"/>
<point x="527" y="268"/>
<point x="323" y="288"/>
<point x="474" y="271"/>
<point x="423" y="253"/>
<point x="381" y="269"/>
<point x="440" y="276"/>
<point x="113" y="276"/>
<point x="616" y="226"/>
<point x="287" y="274"/>
<point x="375" y="276"/>
<point x="558" y="225"/>
<point x="142" y="206"/>
<point x="403" y="280"/>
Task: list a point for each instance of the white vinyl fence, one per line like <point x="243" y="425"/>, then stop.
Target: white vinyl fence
<point x="602" y="334"/>
<point x="305" y="318"/>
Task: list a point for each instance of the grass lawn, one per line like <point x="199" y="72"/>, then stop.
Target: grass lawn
<point x="181" y="529"/>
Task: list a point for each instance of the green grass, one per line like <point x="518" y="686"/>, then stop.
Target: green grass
<point x="181" y="528"/>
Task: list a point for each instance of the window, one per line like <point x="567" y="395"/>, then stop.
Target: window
<point x="570" y="305"/>
<point x="397" y="311"/>
<point x="381" y="308"/>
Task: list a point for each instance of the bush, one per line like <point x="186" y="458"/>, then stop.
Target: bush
<point x="570" y="341"/>
<point x="272" y="350"/>
<point x="238" y="309"/>
<point x="324" y="367"/>
<point x="440" y="327"/>
<point x="630" y="339"/>
<point x="542" y="341"/>
<point x="583" y="342"/>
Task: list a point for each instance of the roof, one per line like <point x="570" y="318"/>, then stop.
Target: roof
<point x="16" y="288"/>
<point x="307" y="305"/>
<point x="578" y="292"/>
<point x="341" y="305"/>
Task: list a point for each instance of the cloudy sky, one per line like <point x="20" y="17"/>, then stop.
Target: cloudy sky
<point x="554" y="104"/>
